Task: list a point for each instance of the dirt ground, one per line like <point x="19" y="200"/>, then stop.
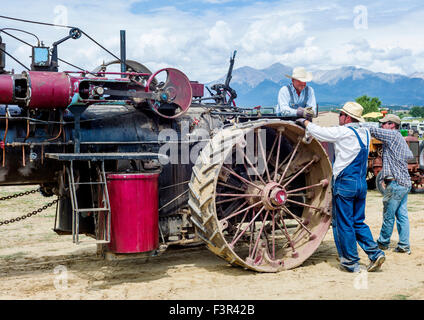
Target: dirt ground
<point x="35" y="263"/>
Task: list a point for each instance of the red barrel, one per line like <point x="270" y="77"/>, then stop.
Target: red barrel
<point x="134" y="205"/>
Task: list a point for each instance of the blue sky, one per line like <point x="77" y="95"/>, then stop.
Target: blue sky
<point x="198" y="37"/>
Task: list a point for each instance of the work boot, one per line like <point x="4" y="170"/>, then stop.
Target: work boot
<point x="402" y="250"/>
<point x="376" y="264"/>
<point x="382" y="246"/>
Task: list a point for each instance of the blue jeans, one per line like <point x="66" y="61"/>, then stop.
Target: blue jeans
<point x="395" y="208"/>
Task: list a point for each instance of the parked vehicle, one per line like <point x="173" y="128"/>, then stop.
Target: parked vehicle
<point x="415" y="165"/>
<point x="414" y="126"/>
<point x="405" y="125"/>
<point x="421" y="129"/>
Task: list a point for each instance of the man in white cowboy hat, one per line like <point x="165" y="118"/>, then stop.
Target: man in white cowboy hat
<point x="297" y="99"/>
<point x="351" y="144"/>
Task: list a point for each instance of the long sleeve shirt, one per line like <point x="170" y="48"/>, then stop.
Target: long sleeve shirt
<point x="396" y="153"/>
<point x="284" y="98"/>
<point x="346" y="145"/>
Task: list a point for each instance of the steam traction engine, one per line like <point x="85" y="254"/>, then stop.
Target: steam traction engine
<point x="139" y="164"/>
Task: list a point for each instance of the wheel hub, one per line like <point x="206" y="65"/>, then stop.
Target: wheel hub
<point x="278" y="196"/>
<point x="274" y="196"/>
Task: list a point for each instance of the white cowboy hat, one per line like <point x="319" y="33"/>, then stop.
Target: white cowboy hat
<point x="354" y="110"/>
<point x="299" y="73"/>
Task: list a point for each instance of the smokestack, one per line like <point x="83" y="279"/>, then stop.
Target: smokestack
<point x="2" y="56"/>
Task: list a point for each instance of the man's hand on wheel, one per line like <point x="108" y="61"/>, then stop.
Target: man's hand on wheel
<point x="301" y="122"/>
<point x="306" y="113"/>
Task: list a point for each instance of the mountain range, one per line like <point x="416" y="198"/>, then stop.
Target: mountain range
<point x="332" y="87"/>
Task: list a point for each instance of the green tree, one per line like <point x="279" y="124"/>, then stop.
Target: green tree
<point x="417" y="111"/>
<point x="369" y="104"/>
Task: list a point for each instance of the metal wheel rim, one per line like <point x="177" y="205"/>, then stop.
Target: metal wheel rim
<point x="211" y="224"/>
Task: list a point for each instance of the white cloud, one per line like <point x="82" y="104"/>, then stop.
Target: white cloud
<point x="220" y="36"/>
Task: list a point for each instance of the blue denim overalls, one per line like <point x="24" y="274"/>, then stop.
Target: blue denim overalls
<point x="301" y="103"/>
<point x="349" y="195"/>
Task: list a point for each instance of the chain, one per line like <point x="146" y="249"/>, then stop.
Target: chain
<point x="25" y="193"/>
<point x="33" y="213"/>
<point x="17" y="195"/>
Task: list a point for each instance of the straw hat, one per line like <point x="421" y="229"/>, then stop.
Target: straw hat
<point x="299" y="73"/>
<point x="391" y="117"/>
<point x="354" y="110"/>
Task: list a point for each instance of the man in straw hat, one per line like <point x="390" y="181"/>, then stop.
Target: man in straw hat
<point x="297" y="99"/>
<point x="351" y="144"/>
<point x="398" y="183"/>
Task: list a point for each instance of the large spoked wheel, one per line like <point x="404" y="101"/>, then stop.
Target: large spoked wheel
<point x="260" y="195"/>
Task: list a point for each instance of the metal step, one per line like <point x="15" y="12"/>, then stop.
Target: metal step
<point x="92" y="209"/>
<point x="76" y="210"/>
<point x="94" y="242"/>
<point x="88" y="183"/>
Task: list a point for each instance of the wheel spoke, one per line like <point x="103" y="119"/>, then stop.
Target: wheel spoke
<point x="264" y="156"/>
<point x="229" y="209"/>
<point x="297" y="219"/>
<point x="281" y="164"/>
<point x="240" y="211"/>
<point x="321" y="184"/>
<point x="299" y="172"/>
<point x="297" y="195"/>
<point x="253" y="219"/>
<point x="239" y="225"/>
<point x="278" y="155"/>
<point x="253" y="167"/>
<point x="238" y="195"/>
<point x="290" y="160"/>
<point x="241" y="178"/>
<point x="259" y="234"/>
<point x="231" y="186"/>
<point x="236" y="198"/>
<point x="272" y="149"/>
<point x="304" y="204"/>
<point x="286" y="232"/>
<point x="247" y="172"/>
<point x="252" y="232"/>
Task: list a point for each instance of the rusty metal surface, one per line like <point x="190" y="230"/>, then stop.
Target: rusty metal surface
<point x="6" y="89"/>
<point x="176" y="90"/>
<point x="241" y="217"/>
<point x="105" y="156"/>
<point x="49" y="90"/>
